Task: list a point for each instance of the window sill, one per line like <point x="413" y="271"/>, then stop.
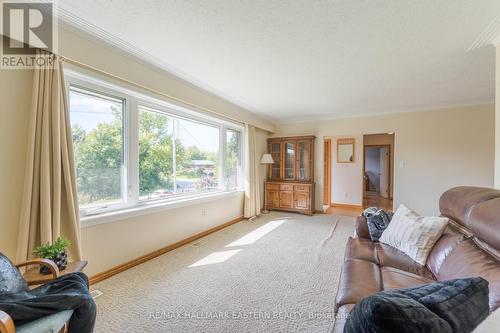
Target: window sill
<point x="153" y="207"/>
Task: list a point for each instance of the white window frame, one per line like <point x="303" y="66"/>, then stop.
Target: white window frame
<point x="133" y="100"/>
<point x="125" y="179"/>
<point x="167" y="112"/>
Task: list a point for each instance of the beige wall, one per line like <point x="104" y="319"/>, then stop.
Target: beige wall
<point x="291" y="129"/>
<point x="110" y="244"/>
<point x="434" y="150"/>
<point x="15" y="102"/>
<point x="347" y="177"/>
<point x="497" y="119"/>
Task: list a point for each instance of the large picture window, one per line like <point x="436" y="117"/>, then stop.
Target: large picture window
<point x="131" y="149"/>
<point x="97" y="126"/>
<point x="156" y="155"/>
<point x="197" y="157"/>
<point x="176" y="156"/>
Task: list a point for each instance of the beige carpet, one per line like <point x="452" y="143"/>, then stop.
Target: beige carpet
<point x="278" y="273"/>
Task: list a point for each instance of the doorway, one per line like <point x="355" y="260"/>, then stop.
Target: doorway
<point x="377" y="171"/>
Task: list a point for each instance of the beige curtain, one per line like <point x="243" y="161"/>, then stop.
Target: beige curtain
<point x="50" y="207"/>
<point x="252" y="183"/>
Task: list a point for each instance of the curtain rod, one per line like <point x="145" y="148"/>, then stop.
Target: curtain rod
<point x="100" y="71"/>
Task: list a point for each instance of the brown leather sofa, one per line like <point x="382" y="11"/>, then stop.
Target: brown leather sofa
<point x="469" y="247"/>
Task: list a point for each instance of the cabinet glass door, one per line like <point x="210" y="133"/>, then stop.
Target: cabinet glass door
<point x="304" y="160"/>
<point x="275" y="149"/>
<point x="289" y="160"/>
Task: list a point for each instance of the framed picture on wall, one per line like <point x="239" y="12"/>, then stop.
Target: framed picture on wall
<point x="345" y="150"/>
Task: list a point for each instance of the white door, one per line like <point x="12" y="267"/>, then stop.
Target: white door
<point x="384" y="175"/>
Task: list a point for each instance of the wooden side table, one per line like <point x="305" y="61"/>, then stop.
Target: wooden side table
<point x="33" y="276"/>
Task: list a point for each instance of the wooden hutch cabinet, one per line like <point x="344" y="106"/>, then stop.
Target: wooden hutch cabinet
<point x="290" y="182"/>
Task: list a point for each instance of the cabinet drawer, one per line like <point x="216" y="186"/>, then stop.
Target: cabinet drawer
<point x="302" y="188"/>
<point x="286" y="187"/>
<point x="273" y="187"/>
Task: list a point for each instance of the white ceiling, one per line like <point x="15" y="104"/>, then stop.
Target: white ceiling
<point x="311" y="58"/>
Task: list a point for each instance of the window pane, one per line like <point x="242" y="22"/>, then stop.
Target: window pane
<point x="156" y="169"/>
<point x="197" y="157"/>
<point x="276" y="166"/>
<point x="176" y="156"/>
<point x="289" y="160"/>
<point x="233" y="163"/>
<point x="97" y="126"/>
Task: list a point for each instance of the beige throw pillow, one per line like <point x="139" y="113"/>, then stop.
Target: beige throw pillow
<point x="413" y="234"/>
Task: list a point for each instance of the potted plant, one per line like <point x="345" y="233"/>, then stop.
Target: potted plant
<point x="55" y="252"/>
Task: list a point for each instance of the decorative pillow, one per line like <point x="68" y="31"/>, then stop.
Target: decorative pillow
<point x="413" y="234"/>
<point x="448" y="306"/>
<point x="377" y="221"/>
<point x="11" y="280"/>
<point x="390" y="311"/>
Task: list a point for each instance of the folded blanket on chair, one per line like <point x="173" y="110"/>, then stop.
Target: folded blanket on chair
<point x="377" y="220"/>
<point x="68" y="292"/>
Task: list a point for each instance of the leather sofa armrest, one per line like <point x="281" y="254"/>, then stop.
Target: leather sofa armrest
<point x="362" y="228"/>
<point x="6" y="323"/>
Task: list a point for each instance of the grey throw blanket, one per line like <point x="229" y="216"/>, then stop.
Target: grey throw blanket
<point x="377" y="220"/>
<point x="453" y="306"/>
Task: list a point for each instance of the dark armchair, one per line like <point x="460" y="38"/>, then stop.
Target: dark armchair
<point x="11" y="281"/>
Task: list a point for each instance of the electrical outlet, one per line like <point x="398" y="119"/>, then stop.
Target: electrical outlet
<point x="203" y="212"/>
<point x="346" y="194"/>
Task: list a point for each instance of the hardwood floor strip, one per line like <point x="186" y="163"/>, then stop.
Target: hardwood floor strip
<point x="137" y="261"/>
<point x="336" y="205"/>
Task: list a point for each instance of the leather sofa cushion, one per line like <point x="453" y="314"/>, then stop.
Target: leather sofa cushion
<point x="359" y="279"/>
<point x="392" y="257"/>
<point x="362" y="228"/>
<point x="468" y="260"/>
<point x="360" y="248"/>
<point x="443" y="247"/>
<point x="393" y="278"/>
<point x="457" y="203"/>
<point x="485" y="222"/>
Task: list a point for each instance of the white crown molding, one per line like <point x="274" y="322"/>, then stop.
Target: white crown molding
<point x="86" y="29"/>
<point x="385" y="111"/>
<point x="490" y="35"/>
<point x="496" y="41"/>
